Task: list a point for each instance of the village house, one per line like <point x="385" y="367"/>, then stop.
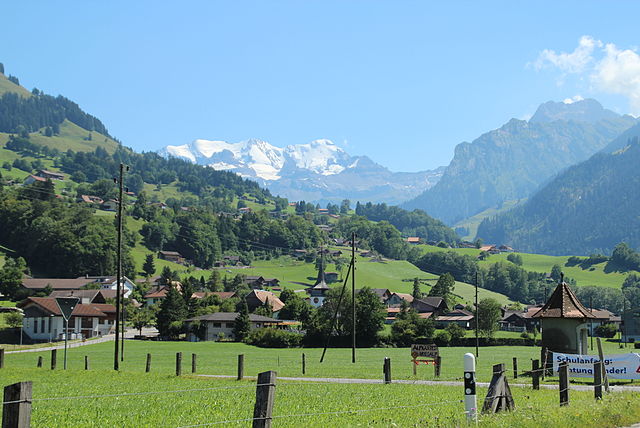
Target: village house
<point x="171" y="256"/>
<point x="258" y="298"/>
<point x="434" y="305"/>
<point x="602" y="317"/>
<point x="491" y="249"/>
<point x="110" y="205"/>
<point x="631" y="325"/>
<point x="43" y="320"/>
<point x="383" y="293"/>
<point x="413" y="240"/>
<point x="64" y="284"/>
<point x="86" y="296"/>
<point x="395" y="300"/>
<point x="220" y="324"/>
<point x="43" y="173"/>
<point x="32" y="179"/>
<point x="461" y="317"/>
<point x="92" y="200"/>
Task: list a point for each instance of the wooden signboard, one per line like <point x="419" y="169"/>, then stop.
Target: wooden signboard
<point x="424" y="354"/>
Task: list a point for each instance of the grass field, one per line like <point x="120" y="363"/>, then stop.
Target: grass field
<point x="161" y="399"/>
<point x="542" y="263"/>
<point x="471" y="224"/>
<point x="396" y="275"/>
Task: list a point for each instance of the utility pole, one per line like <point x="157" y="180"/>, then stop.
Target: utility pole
<point x="353" y="297"/>
<point x="477" y="316"/>
<point x="590" y="321"/>
<point x="119" y="267"/>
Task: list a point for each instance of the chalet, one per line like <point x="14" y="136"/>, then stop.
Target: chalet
<point x="257" y="298"/>
<point x="244" y="210"/>
<point x="491" y="249"/>
<point x="92" y="200"/>
<point x="220" y="324"/>
<point x="395" y="300"/>
<point x="323" y="211"/>
<point x="413" y="240"/>
<point x="111" y="283"/>
<point x="171" y="256"/>
<point x="506" y="249"/>
<point x="43" y="173"/>
<point x="513" y="321"/>
<point x="436" y="305"/>
<point x="392" y="314"/>
<point x="461" y="317"/>
<point x="156" y="295"/>
<point x="32" y="179"/>
<point x="43" y="320"/>
<point x="602" y="317"/>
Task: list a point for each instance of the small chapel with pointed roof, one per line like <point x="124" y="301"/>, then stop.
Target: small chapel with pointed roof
<point x="564" y="322"/>
<point x="318" y="291"/>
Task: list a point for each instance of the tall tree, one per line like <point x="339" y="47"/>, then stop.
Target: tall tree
<point x="488" y="313"/>
<point x="242" y="324"/>
<point x="173" y="311"/>
<point x="417" y="294"/>
<point x="149" y="267"/>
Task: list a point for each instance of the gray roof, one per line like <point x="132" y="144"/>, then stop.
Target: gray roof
<point x="231" y="316"/>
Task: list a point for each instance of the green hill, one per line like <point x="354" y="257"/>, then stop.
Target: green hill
<point x="7" y="86"/>
<point x="594" y="275"/>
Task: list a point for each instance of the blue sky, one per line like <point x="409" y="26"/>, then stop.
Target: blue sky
<point x="399" y="81"/>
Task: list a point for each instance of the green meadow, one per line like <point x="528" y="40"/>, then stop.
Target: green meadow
<point x="130" y="397"/>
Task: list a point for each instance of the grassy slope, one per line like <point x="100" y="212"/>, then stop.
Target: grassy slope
<point x="473" y="222"/>
<point x="389" y="274"/>
<point x="8" y="86"/>
<point x="543" y="263"/>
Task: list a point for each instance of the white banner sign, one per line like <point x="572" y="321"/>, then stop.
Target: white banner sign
<point x="619" y="366"/>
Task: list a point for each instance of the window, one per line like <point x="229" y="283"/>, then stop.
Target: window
<point x="217" y="325"/>
<point x="35" y="325"/>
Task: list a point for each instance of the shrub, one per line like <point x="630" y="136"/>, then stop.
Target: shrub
<point x="525" y="335"/>
<point x="455" y="331"/>
<point x="606" y="330"/>
<point x="442" y="338"/>
<point x="274" y="338"/>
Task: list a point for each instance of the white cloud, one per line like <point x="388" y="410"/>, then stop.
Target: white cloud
<point x="619" y="73"/>
<point x="607" y="68"/>
<point x="573" y="99"/>
<point x="574" y="62"/>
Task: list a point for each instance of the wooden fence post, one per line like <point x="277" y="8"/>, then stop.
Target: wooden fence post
<point x="563" y="371"/>
<point x="304" y="364"/>
<point x="438" y="367"/>
<point x="1" y="358"/>
<point x="535" y="373"/>
<point x="597" y="379"/>
<point x="515" y="368"/>
<point x="86" y="362"/>
<point x="386" y="368"/>
<point x="54" y="354"/>
<point x="148" y="367"/>
<point x="39" y="365"/>
<point x="240" y="366"/>
<point x="178" y="363"/>
<point x="16" y="413"/>
<point x="194" y="362"/>
<point x="265" y="397"/>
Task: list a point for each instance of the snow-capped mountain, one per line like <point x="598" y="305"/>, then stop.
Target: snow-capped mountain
<point x="318" y="171"/>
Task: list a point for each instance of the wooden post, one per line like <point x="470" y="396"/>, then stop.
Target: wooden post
<point x="86" y="362"/>
<point x="543" y="358"/>
<point x="515" y="368"/>
<point x="240" y="366"/>
<point x="265" y="396"/>
<point x="415" y="367"/>
<point x="54" y="354"/>
<point x="39" y="365"/>
<point x="386" y="369"/>
<point x="563" y="371"/>
<point x="535" y="373"/>
<point x="604" y="372"/>
<point x="178" y="363"/>
<point x="16" y="413"/>
<point x="438" y="365"/>
<point x="597" y="379"/>
<point x="194" y="363"/>
<point x="148" y="367"/>
<point x="1" y="358"/>
<point x="304" y="364"/>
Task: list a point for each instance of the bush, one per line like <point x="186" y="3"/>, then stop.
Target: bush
<point x="455" y="331"/>
<point x="274" y="338"/>
<point x="636" y="345"/>
<point x="442" y="338"/>
<point x="606" y="330"/>
<point x="525" y="335"/>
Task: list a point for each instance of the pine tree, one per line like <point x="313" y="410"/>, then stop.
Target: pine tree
<point x="149" y="267"/>
<point x="242" y="324"/>
<point x="417" y="294"/>
<point x="173" y="310"/>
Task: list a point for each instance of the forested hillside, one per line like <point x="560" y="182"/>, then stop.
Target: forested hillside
<point x="589" y="208"/>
